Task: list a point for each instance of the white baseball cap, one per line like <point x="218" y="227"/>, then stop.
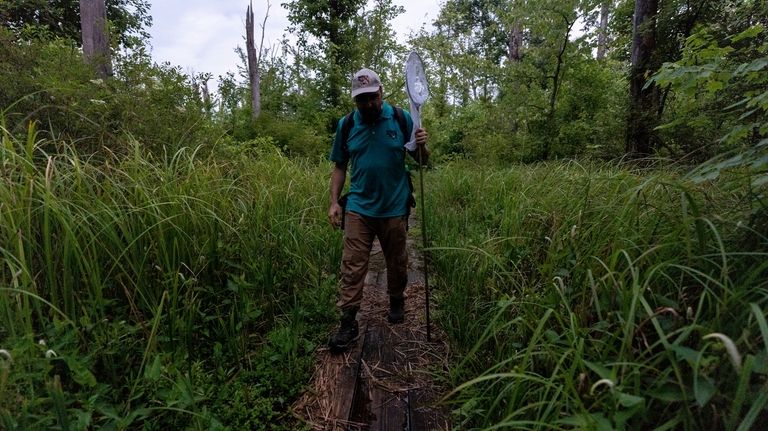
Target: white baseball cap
<point x="365" y="81"/>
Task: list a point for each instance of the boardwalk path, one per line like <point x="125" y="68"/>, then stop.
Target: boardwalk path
<point x="385" y="381"/>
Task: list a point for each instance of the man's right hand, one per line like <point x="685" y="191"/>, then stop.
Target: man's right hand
<point x="334" y="215"/>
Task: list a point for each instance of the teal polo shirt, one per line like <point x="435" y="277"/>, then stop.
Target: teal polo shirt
<point x="376" y="160"/>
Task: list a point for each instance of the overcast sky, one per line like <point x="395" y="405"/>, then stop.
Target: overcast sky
<point x="201" y="35"/>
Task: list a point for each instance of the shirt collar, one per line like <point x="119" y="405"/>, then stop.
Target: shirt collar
<point x="386" y="110"/>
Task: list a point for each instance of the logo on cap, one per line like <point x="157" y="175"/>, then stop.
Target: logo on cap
<point x="363" y="80"/>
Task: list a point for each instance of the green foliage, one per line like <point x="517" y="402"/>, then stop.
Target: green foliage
<point x="587" y="297"/>
<point x="488" y="105"/>
<point x="158" y="281"/>
<point x="336" y="48"/>
<point x="47" y="82"/>
<point x="32" y="19"/>
<point x="518" y="126"/>
<point x="721" y="88"/>
<point x="181" y="278"/>
<point x="295" y="138"/>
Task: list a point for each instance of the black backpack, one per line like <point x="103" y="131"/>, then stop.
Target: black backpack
<point x="346" y="128"/>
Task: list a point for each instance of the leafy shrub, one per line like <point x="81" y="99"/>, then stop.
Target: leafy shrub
<point x="47" y="82"/>
<point x="720" y="101"/>
<point x="294" y="137"/>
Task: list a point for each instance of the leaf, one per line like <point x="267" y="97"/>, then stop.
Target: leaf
<point x="82" y="420"/>
<point x="733" y="161"/>
<point x="674" y="123"/>
<point x="739" y="103"/>
<point x="757" y="407"/>
<point x="759" y="162"/>
<point x="761" y="323"/>
<point x="761" y="363"/>
<point x="755" y="66"/>
<point x="705" y="175"/>
<point x="703" y="389"/>
<point x="621" y="417"/>
<point x="588" y="421"/>
<point x="748" y="33"/>
<point x="599" y="369"/>
<point x="628" y="400"/>
<point x="552" y="336"/>
<point x="140" y="413"/>
<point x="152" y="372"/>
<point x="685" y="353"/>
<point x="668" y="393"/>
<point x="714" y="86"/>
<point x="760" y="181"/>
<point x="748" y="113"/>
<point x="80" y="373"/>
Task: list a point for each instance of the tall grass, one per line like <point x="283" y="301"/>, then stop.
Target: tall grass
<point x="134" y="288"/>
<point x="600" y="298"/>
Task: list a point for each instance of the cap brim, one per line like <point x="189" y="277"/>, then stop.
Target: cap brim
<point x="358" y="91"/>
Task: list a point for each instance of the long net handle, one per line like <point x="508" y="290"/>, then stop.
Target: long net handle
<point x="424" y="236"/>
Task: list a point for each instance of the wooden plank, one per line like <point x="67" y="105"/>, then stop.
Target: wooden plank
<point x="348" y="377"/>
<point x="361" y="411"/>
<point x="375" y="403"/>
<point x="389" y="407"/>
<point x="423" y="414"/>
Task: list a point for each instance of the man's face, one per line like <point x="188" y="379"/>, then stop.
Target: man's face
<point x="369" y="105"/>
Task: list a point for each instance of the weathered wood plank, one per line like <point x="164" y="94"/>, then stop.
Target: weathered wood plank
<point x="423" y="415"/>
<point x="348" y="376"/>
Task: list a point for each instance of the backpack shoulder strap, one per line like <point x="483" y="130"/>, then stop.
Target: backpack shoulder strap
<point x="400" y="117"/>
<point x="349" y="122"/>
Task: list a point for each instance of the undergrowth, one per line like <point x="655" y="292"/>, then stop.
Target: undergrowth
<point x="594" y="297"/>
<point x="186" y="291"/>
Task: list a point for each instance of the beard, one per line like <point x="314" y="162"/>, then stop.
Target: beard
<point x="370" y="114"/>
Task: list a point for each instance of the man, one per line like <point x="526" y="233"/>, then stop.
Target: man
<point x="378" y="199"/>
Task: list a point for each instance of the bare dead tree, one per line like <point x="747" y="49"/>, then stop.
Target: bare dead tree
<point x="254" y="58"/>
<point x="204" y="78"/>
<point x="602" y="32"/>
<point x="93" y="24"/>
<point x="200" y="87"/>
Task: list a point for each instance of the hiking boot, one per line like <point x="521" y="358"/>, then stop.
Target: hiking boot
<point x="346" y="335"/>
<point x="396" y="310"/>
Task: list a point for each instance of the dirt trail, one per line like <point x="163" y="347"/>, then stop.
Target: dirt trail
<point x="385" y="381"/>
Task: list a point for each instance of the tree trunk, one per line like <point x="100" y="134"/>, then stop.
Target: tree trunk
<point x="644" y="102"/>
<point x="206" y="97"/>
<point x="556" y="83"/>
<point x="254" y="59"/>
<point x="602" y="32"/>
<point x="93" y="24"/>
<point x="253" y="64"/>
<point x="200" y="83"/>
<point x="515" y="42"/>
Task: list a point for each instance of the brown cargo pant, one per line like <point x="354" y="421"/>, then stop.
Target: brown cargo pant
<point x="359" y="232"/>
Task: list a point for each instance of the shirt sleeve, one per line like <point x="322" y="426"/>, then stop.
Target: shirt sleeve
<point x="339" y="152"/>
